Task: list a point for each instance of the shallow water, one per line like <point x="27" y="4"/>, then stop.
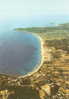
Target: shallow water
<point x="19" y="52"/>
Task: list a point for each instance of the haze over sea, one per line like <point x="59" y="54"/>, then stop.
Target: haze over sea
<point x="39" y="21"/>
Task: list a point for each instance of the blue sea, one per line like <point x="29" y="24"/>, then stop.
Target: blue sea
<point x="20" y="51"/>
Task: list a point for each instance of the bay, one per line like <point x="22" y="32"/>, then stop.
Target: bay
<point x="19" y="52"/>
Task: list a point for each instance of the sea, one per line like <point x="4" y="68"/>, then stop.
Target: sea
<point x="20" y="52"/>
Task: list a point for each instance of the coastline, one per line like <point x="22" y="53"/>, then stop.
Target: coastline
<point x="38" y="66"/>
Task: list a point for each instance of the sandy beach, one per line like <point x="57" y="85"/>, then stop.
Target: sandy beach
<point x="38" y="66"/>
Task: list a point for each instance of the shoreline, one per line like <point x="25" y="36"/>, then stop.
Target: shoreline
<point x="38" y="66"/>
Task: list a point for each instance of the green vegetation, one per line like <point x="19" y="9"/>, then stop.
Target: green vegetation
<point x="60" y="31"/>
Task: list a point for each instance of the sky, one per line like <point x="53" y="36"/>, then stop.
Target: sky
<point x="33" y="8"/>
